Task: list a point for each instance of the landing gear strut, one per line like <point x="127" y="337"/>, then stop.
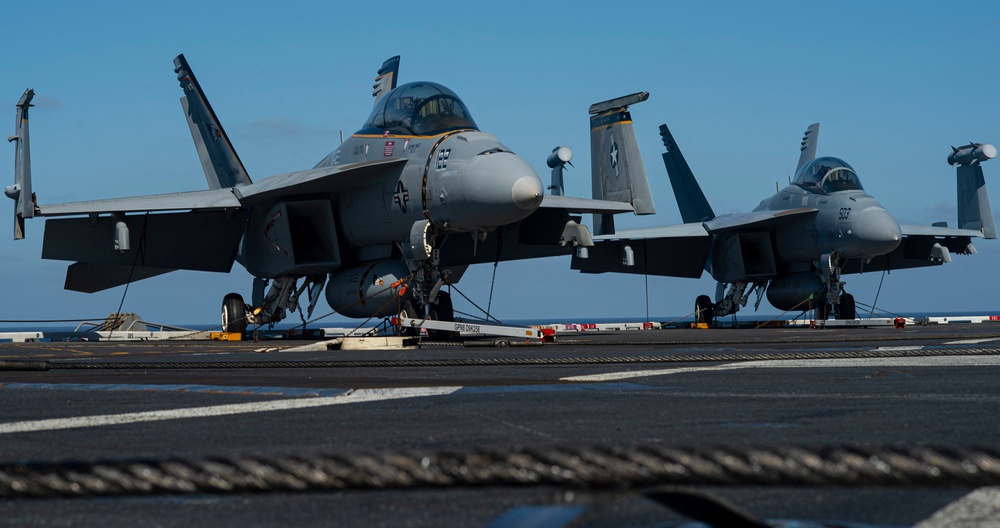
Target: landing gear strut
<point x="736" y="297"/>
<point x="836" y="301"/>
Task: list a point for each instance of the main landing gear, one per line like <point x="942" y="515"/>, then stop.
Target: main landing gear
<point x="845" y="309"/>
<point x="704" y="310"/>
<point x="234" y="314"/>
<point x="282" y="295"/>
<point x="440" y="310"/>
<point x="835" y="300"/>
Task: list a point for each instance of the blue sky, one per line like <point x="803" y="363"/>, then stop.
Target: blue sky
<point x="893" y="84"/>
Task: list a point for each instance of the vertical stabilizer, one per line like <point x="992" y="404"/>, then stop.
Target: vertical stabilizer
<point x="974" y="210"/>
<point x="219" y="160"/>
<point x="20" y="192"/>
<point x="807" y="150"/>
<point x="618" y="173"/>
<point x="691" y="201"/>
<point x="385" y="80"/>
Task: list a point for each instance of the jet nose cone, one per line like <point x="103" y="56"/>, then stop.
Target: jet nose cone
<point x="502" y="189"/>
<point x="527" y="192"/>
<point x="877" y="232"/>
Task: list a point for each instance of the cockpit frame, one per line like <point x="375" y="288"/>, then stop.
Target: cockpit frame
<point x="828" y="175"/>
<point x="419" y="109"/>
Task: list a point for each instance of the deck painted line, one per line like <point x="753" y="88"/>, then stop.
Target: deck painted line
<point x="900" y="348"/>
<point x="354" y="396"/>
<point x="972" y="341"/>
<point x="186" y="388"/>
<point x="948" y="361"/>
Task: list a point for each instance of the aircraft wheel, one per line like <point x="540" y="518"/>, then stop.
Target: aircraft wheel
<point x="407" y="310"/>
<point x="234" y="314"/>
<point x="822" y="309"/>
<point x="442" y="310"/>
<point x="847" y="309"/>
<point x="704" y="310"/>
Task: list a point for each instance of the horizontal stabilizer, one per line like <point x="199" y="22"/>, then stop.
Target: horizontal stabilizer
<point x="202" y="241"/>
<point x="617" y="170"/>
<point x="219" y="160"/>
<point x="691" y="201"/>
<point x="86" y="277"/>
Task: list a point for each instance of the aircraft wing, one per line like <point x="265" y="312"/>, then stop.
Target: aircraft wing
<point x="159" y="243"/>
<point x="671" y="231"/>
<point x="935" y="231"/>
<point x="199" y="230"/>
<point x="642" y="251"/>
<point x="330" y="179"/>
<point x="756" y="219"/>
<point x="680" y="250"/>
<point x="194" y="200"/>
<point x="301" y="182"/>
<point x="584" y="205"/>
<point x="922" y="246"/>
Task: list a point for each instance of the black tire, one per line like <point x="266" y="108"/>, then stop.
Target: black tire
<point x="234" y="314"/>
<point x="408" y="311"/>
<point x="704" y="310"/>
<point x="822" y="309"/>
<point x="442" y="310"/>
<point x="847" y="309"/>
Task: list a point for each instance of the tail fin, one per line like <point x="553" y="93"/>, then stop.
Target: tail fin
<point x="618" y="173"/>
<point x="808" y="148"/>
<point x="20" y="192"/>
<point x="974" y="211"/>
<point x="385" y="80"/>
<point x="219" y="160"/>
<point x="691" y="200"/>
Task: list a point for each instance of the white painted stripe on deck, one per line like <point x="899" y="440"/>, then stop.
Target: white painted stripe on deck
<point x="972" y="341"/>
<point x="900" y="348"/>
<point x="939" y="361"/>
<point x="356" y="396"/>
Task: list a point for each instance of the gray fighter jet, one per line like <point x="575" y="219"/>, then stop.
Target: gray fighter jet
<point x="797" y="244"/>
<point x="394" y="213"/>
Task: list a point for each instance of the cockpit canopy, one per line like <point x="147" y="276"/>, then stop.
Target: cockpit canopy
<point x="419" y="109"/>
<point x="828" y="174"/>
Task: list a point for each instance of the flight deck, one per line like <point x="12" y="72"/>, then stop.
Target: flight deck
<point x="603" y="392"/>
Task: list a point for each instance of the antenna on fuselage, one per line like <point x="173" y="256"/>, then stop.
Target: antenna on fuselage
<point x="341" y="137"/>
